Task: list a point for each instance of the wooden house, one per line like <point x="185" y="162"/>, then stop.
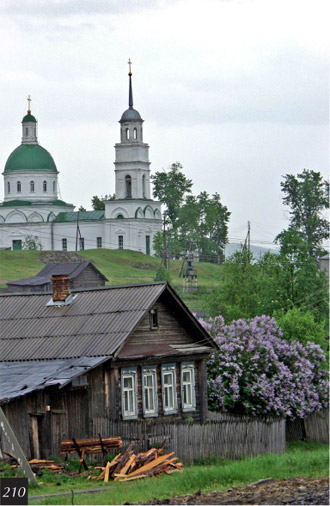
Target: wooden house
<point x="82" y="275"/>
<point x="124" y="353"/>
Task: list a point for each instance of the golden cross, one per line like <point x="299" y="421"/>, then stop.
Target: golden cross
<point x="129" y="66"/>
<point x="29" y="106"/>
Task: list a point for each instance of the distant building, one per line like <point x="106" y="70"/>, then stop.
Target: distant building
<point x="31" y="207"/>
<point x="82" y="275"/>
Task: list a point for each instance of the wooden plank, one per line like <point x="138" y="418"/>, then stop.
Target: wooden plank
<point x="152" y="464"/>
<point x="16" y="448"/>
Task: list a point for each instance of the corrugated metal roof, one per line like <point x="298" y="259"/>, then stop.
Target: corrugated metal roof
<point x="72" y="269"/>
<point x="96" y="323"/>
<point x="20" y="378"/>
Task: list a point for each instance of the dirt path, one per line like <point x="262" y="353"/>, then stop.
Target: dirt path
<point x="290" y="491"/>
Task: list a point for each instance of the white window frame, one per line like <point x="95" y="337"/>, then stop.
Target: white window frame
<point x="169" y="371"/>
<point x="188" y="367"/>
<point x="149" y="391"/>
<point x="129" y="412"/>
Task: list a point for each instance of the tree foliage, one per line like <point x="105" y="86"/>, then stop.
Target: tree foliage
<point x="170" y="188"/>
<point x="256" y="372"/>
<point x="98" y="202"/>
<point x="194" y="223"/>
<point x="307" y="195"/>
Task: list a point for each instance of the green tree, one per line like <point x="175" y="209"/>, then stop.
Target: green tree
<point x="300" y="325"/>
<point x="162" y="274"/>
<point x="170" y="188"/>
<point x="98" y="202"/>
<point x="307" y="195"/>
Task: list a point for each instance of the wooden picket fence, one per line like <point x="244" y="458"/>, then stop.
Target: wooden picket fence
<point x="229" y="436"/>
<point x="314" y="427"/>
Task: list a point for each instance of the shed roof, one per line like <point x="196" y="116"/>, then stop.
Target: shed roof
<point x="72" y="269"/>
<point x="20" y="378"/>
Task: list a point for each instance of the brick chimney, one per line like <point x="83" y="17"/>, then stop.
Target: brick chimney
<point x="61" y="287"/>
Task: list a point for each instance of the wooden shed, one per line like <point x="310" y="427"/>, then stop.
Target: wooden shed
<point x="124" y="353"/>
<point x="82" y="275"/>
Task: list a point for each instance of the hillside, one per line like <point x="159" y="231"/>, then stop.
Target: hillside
<point x="119" y="266"/>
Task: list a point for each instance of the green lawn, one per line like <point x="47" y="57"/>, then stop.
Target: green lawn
<point x="119" y="266"/>
<point x="301" y="459"/>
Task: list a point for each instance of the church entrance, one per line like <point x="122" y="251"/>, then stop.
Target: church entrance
<point x="17" y="245"/>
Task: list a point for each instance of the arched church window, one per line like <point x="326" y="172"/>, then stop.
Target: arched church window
<point x="135" y="134"/>
<point x="31" y="186"/>
<point x="128" y="186"/>
<point x="54" y="186"/>
<point x="44" y="186"/>
<point x="26" y="131"/>
<point x="8" y="187"/>
<point x="144" y="186"/>
<point x="127" y="134"/>
<point x="120" y="217"/>
<point x="19" y="187"/>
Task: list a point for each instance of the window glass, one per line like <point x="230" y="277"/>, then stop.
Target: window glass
<point x="99" y="242"/>
<point x="44" y="186"/>
<point x="81" y="243"/>
<point x="19" y="187"/>
<point x="8" y="187"/>
<point x="120" y="242"/>
<point x="128" y="392"/>
<point x="64" y="244"/>
<point x="31" y="186"/>
<point x="169" y="389"/>
<point x="188" y="386"/>
<point x="149" y="391"/>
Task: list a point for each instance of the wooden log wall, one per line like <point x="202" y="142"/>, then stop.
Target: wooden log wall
<point x="230" y="437"/>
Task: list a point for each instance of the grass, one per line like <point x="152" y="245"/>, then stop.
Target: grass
<point x="301" y="459"/>
<point x="119" y="266"/>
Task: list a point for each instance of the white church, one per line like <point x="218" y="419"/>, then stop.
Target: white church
<point x="31" y="207"/>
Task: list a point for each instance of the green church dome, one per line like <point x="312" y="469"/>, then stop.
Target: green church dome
<point x="29" y="117"/>
<point x="30" y="157"/>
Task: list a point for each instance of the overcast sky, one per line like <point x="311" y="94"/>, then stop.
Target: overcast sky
<point x="236" y="90"/>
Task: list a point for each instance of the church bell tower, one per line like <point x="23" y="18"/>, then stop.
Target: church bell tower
<point x="132" y="154"/>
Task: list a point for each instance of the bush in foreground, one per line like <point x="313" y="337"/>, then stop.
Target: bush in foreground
<point x="256" y="372"/>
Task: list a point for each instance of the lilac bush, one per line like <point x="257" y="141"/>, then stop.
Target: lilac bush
<point x="257" y="372"/>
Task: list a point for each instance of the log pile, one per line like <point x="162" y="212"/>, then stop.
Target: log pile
<point x="131" y="466"/>
<point x="96" y="445"/>
<point x="37" y="464"/>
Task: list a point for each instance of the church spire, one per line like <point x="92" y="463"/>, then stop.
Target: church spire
<point x="29" y="104"/>
<point x="130" y="94"/>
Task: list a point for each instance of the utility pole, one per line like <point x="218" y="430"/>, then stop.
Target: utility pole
<point x="164" y="245"/>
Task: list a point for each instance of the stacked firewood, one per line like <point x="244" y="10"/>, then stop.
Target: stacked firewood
<point x="95" y="445"/>
<point x="131" y="466"/>
<point x="37" y="464"/>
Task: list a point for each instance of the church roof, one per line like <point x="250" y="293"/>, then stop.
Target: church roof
<point x="30" y="157"/>
<point x="83" y="216"/>
<point x="130" y="114"/>
<point x="29" y="117"/>
<point x="22" y="203"/>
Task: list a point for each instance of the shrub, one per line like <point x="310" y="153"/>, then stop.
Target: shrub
<point x="256" y="372"/>
<point x="162" y="274"/>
